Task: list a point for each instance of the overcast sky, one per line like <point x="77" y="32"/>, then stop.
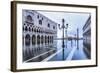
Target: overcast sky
<point x="74" y="20"/>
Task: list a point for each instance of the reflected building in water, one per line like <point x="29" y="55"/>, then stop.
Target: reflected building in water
<point x="87" y="37"/>
<point x="38" y="35"/>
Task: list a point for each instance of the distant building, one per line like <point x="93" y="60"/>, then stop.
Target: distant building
<point x="38" y="31"/>
<point x="87" y="37"/>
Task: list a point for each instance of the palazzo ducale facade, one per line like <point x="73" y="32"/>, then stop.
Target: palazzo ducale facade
<point x="38" y="32"/>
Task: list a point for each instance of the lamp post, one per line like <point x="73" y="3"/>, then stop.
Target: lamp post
<point x="77" y="38"/>
<point x="63" y="27"/>
<point x="66" y="38"/>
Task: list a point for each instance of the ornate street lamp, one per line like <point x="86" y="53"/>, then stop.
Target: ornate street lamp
<point x="63" y="27"/>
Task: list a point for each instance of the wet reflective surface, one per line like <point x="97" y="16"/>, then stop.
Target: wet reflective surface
<point x="57" y="53"/>
<point x="77" y="54"/>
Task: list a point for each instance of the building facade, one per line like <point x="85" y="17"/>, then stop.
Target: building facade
<point x="38" y="33"/>
<point x="87" y="37"/>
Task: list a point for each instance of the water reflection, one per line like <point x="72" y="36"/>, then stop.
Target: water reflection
<point x="55" y="52"/>
<point x="37" y="54"/>
<point x="78" y="54"/>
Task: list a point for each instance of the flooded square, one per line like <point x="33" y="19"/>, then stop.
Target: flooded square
<point x="55" y="36"/>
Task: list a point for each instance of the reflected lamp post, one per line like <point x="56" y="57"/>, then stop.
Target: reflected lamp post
<point x="75" y="39"/>
<point x="63" y="27"/>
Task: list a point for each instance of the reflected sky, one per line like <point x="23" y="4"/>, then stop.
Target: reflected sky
<point x="74" y="20"/>
<point x="78" y="54"/>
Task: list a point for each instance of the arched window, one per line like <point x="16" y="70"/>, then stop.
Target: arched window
<point x="29" y="29"/>
<point x="48" y="25"/>
<point x="40" y="22"/>
<point x="42" y="18"/>
<point x="52" y="39"/>
<point x="42" y="39"/>
<point x="48" y="39"/>
<point x="45" y="39"/>
<point x="38" y="16"/>
<point x="53" y="27"/>
<point x="37" y="31"/>
<point x="38" y="39"/>
<point x="29" y="18"/>
<point x="26" y="29"/>
<point x="33" y="40"/>
<point x="23" y="28"/>
<point x="23" y="40"/>
<point x="34" y="29"/>
<point x="27" y="40"/>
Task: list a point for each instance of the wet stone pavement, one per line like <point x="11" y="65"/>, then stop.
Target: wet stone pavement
<point x="70" y="52"/>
